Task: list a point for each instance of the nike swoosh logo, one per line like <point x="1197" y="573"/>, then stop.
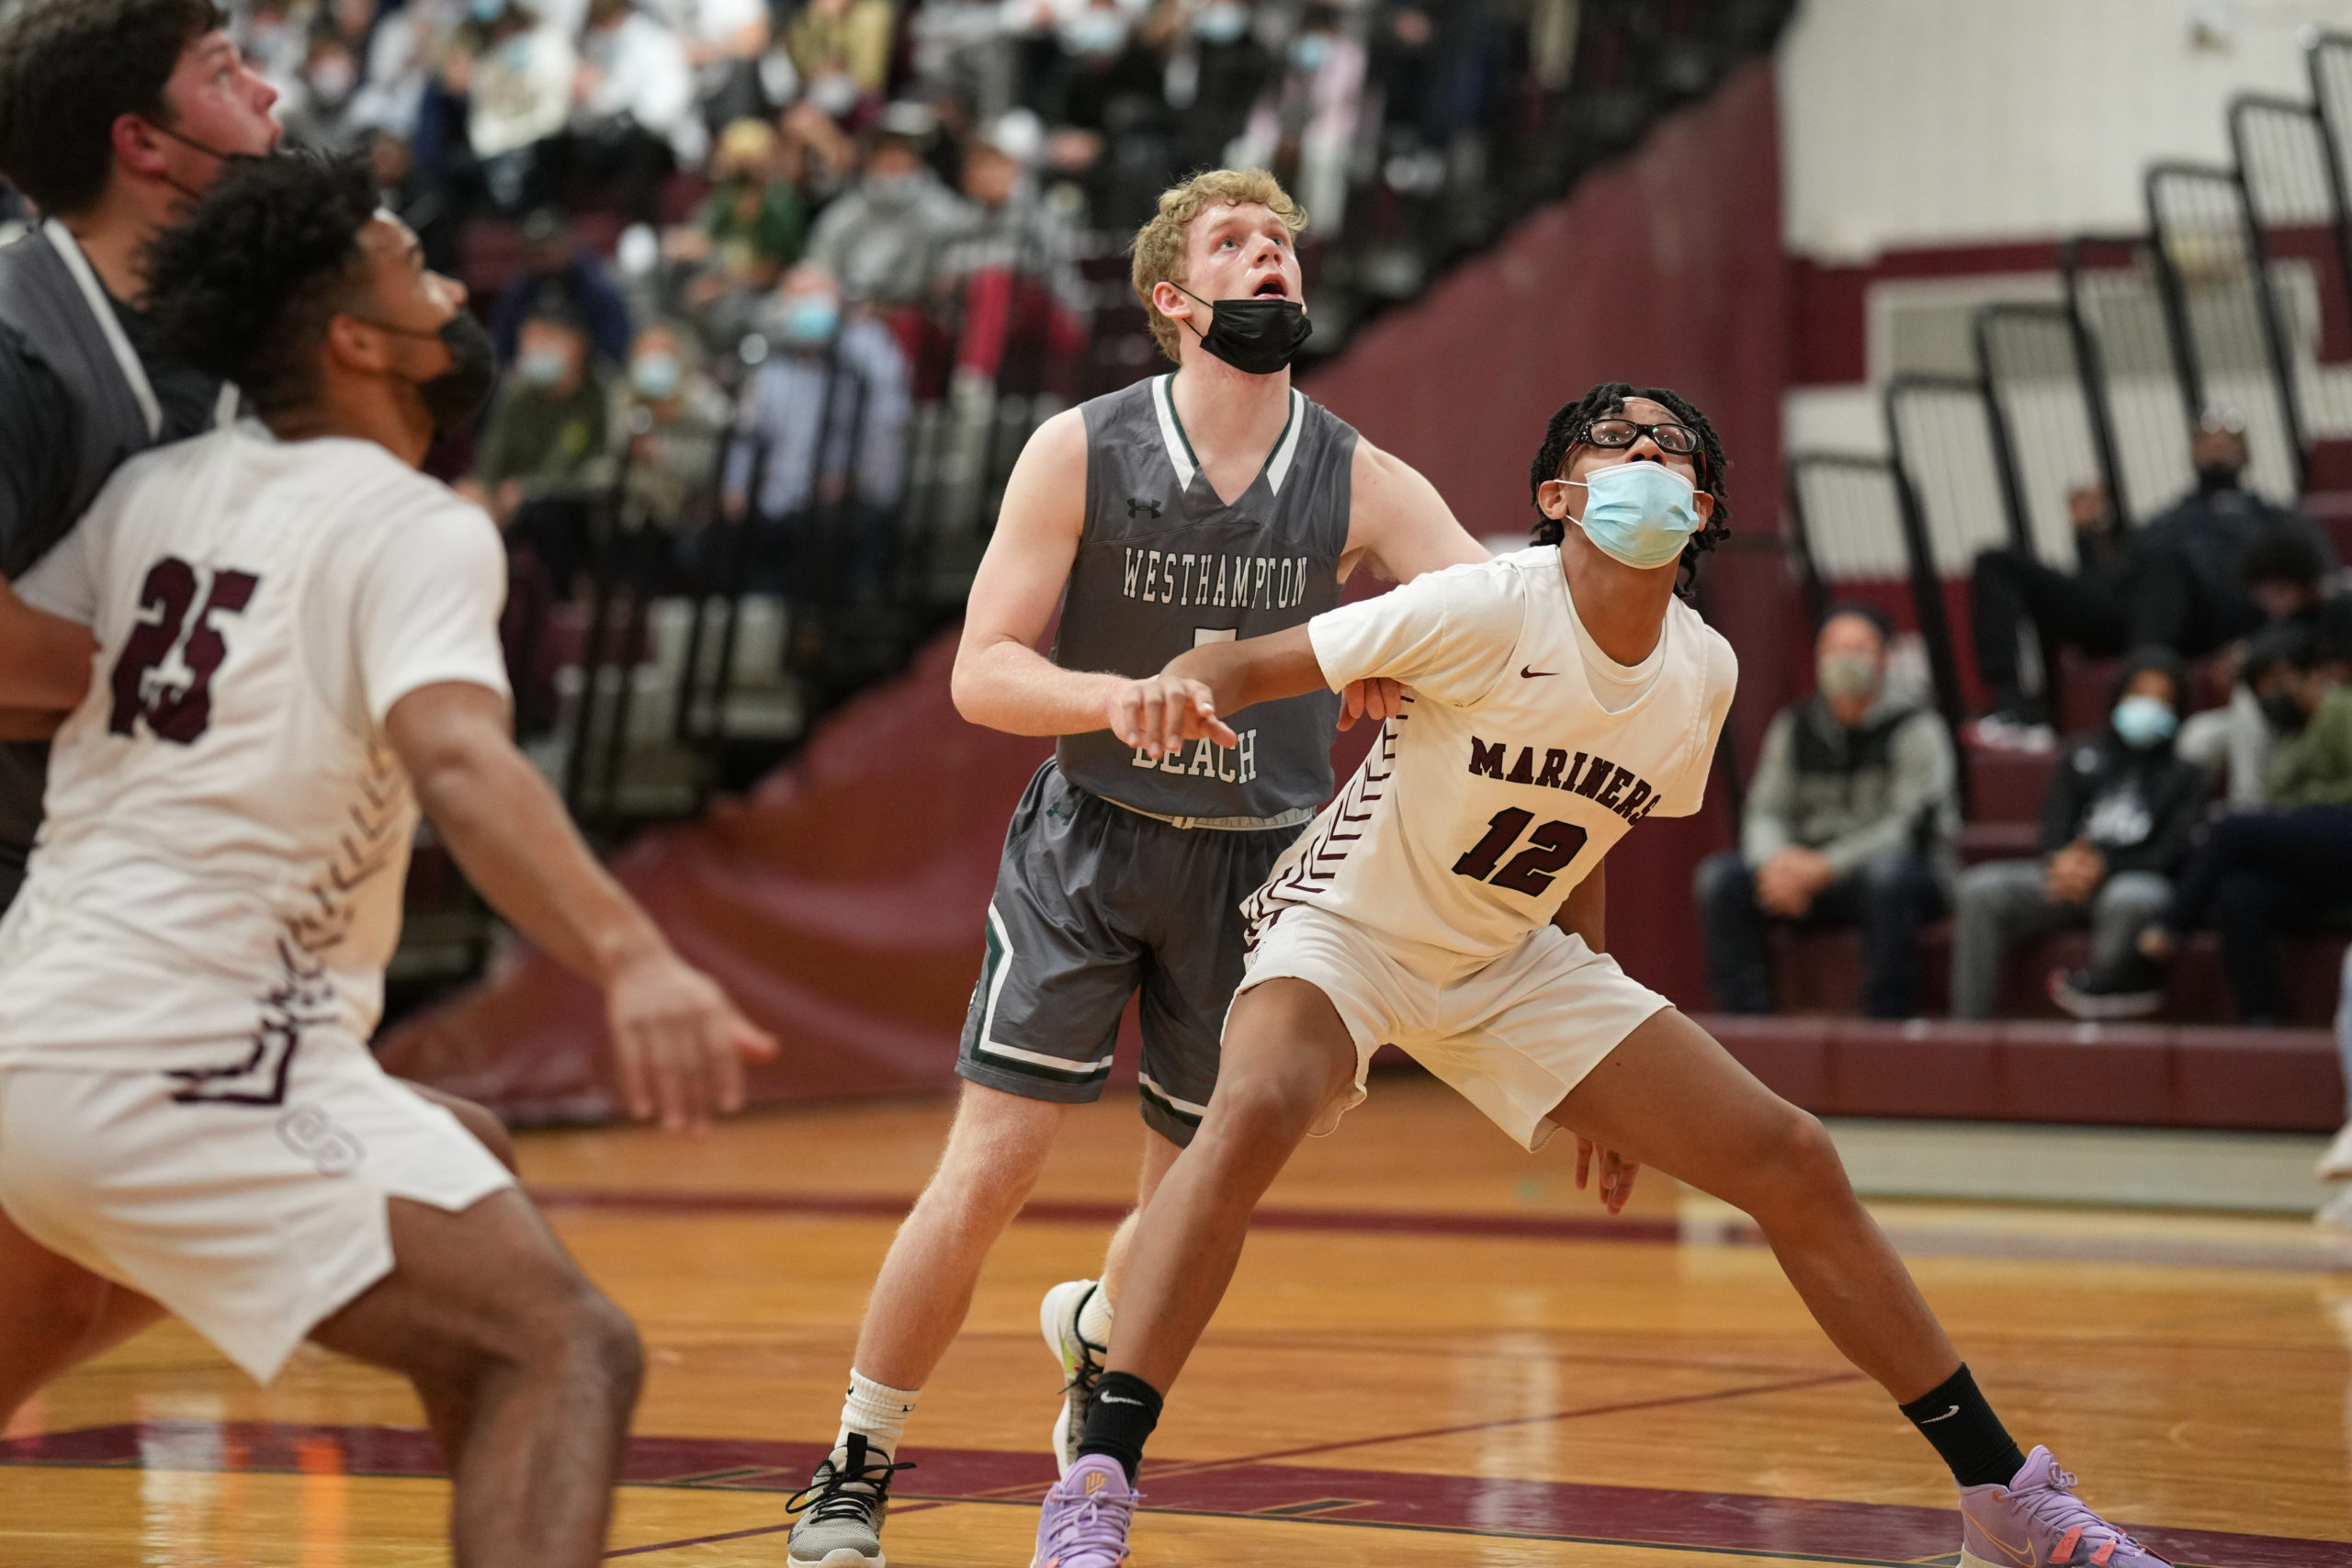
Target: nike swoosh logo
<point x="1931" y="1420"/>
<point x="1116" y="1399"/>
<point x="2021" y="1554"/>
<point x="1526" y="674"/>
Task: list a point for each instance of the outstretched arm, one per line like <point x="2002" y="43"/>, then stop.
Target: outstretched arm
<point x="1398" y="522"/>
<point x="1184" y="702"/>
<point x="680" y="1042"/>
<point x="44" y="658"/>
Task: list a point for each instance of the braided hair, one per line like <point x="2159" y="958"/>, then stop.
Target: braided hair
<point x="1607" y="401"/>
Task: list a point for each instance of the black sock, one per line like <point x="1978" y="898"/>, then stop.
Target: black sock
<point x="1954" y="1416"/>
<point x="1126" y="1409"/>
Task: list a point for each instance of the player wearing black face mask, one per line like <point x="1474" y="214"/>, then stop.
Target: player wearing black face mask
<point x="108" y="109"/>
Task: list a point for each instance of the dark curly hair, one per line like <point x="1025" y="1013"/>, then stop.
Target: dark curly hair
<point x="1606" y="401"/>
<point x="244" y="289"/>
<point x="69" y="69"/>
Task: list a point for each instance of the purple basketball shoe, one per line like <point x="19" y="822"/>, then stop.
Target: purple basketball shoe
<point x="1086" y="1518"/>
<point x="2036" y="1521"/>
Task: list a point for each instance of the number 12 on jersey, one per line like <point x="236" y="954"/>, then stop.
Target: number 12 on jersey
<point x="1550" y="849"/>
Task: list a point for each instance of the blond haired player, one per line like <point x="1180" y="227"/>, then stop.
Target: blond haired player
<point x="1452" y="900"/>
<point x="1199" y="506"/>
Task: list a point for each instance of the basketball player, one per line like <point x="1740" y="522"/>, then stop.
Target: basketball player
<point x="1452" y="900"/>
<point x="1190" y="508"/>
<point x="297" y="646"/>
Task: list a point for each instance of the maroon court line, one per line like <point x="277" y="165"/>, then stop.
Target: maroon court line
<point x="897" y="1510"/>
<point x="1580" y="1413"/>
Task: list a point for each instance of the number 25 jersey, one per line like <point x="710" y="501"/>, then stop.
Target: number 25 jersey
<point x="228" y="827"/>
<point x="1505" y="780"/>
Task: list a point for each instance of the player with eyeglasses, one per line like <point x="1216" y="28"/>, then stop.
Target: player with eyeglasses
<point x="1452" y="899"/>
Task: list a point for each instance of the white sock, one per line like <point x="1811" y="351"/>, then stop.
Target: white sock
<point x="876" y="1411"/>
<point x="1094" y="1318"/>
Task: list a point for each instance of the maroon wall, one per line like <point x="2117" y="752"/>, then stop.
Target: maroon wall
<point x="841" y="901"/>
<point x="1662" y="270"/>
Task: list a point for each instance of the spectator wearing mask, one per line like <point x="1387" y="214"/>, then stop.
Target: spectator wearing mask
<point x="821" y="456"/>
<point x="634" y="118"/>
<point x="2256" y="872"/>
<point x="753" y="225"/>
<point x="2173" y="583"/>
<point x="1303" y="127"/>
<point x="1851" y="820"/>
<point x="2286" y="578"/>
<point x="545" y="451"/>
<point x="1219" y="70"/>
<point x="881" y="239"/>
<point x="554" y="263"/>
<point x="842" y="51"/>
<point x="516" y="74"/>
<point x="2115" y="824"/>
<point x="672" y="421"/>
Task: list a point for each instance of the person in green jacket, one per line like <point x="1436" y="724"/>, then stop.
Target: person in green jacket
<point x="2257" y="873"/>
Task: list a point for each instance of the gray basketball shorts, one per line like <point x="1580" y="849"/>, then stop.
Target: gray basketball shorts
<point x="1095" y="903"/>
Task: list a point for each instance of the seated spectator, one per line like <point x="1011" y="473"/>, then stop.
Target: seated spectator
<point x="1303" y="127"/>
<point x="754" y="223"/>
<point x="821" y="456"/>
<point x="674" y="422"/>
<point x="2255" y="873"/>
<point x="634" y="118"/>
<point x="724" y="41"/>
<point x="554" y="262"/>
<point x="2235" y="742"/>
<point x="2115" y="824"/>
<point x="2173" y="583"/>
<point x="881" y="238"/>
<point x="515" y="72"/>
<point x="544" y="452"/>
<point x="1851" y="821"/>
<point x="841" y="49"/>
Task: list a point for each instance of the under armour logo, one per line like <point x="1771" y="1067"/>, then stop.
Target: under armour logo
<point x="1137" y="506"/>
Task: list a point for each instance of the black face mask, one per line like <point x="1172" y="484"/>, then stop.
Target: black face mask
<point x="213" y="153"/>
<point x="2217" y="476"/>
<point x="2285" y="712"/>
<point x="454" y="396"/>
<point x="1255" y="336"/>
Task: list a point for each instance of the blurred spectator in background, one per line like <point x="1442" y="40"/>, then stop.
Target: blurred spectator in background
<point x="821" y="448"/>
<point x="634" y="118"/>
<point x="727" y="44"/>
<point x="2174" y="583"/>
<point x="554" y="262"/>
<point x="425" y="204"/>
<point x="842" y="51"/>
<point x="672" y="421"/>
<point x="2115" y="825"/>
<point x="1851" y="820"/>
<point x="516" y="74"/>
<point x="546" y="449"/>
<point x="752" y="224"/>
<point x="1217" y="71"/>
<point x="881" y="238"/>
<point x="2254" y="872"/>
<point x="2286" y="580"/>
<point x="1303" y="127"/>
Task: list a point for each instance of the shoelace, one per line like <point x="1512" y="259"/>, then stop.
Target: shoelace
<point x="828" y="1496"/>
<point x="2054" y="1503"/>
<point x="1086" y="1374"/>
<point x="1098" y="1524"/>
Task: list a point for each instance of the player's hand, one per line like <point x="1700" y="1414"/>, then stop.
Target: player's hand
<point x="1617" y="1173"/>
<point x="681" y="1043"/>
<point x="1375" y="699"/>
<point x="1162" y="712"/>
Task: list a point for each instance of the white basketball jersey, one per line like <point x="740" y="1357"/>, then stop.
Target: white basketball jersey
<point x="228" y="829"/>
<point x="1505" y="779"/>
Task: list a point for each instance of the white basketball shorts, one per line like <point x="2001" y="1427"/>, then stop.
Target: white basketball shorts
<point x="252" y="1219"/>
<point x="1512" y="1033"/>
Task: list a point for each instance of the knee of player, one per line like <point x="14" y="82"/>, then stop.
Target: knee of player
<point x="1264" y="1109"/>
<point x="609" y="1342"/>
<point x="1800" y="1164"/>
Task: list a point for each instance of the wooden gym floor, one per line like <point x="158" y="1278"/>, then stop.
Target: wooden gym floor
<point x="1436" y="1352"/>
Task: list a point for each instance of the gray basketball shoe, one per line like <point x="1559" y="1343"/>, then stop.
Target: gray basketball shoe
<point x="841" y="1509"/>
<point x="1081" y="1361"/>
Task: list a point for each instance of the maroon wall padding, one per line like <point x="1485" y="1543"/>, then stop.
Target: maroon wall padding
<point x="1665" y="269"/>
<point x="2138" y="1075"/>
<point x="842" y="902"/>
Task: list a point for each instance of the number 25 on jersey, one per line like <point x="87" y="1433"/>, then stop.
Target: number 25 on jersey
<point x="164" y="673"/>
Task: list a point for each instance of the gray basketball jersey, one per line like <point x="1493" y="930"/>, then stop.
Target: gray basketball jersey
<point x="1165" y="566"/>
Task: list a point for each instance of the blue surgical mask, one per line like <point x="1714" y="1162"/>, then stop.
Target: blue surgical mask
<point x="1308" y="52"/>
<point x="812" y="318"/>
<point x="1639" y="513"/>
<point x="655" y="375"/>
<point x="1097" y="32"/>
<point x="488" y="11"/>
<point x="2144" y="721"/>
<point x="541" y="367"/>
<point x="1221" y="24"/>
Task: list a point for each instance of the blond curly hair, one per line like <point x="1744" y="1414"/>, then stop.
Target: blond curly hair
<point x="1159" y="244"/>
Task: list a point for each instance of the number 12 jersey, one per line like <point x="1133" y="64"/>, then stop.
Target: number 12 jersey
<point x="1507" y="777"/>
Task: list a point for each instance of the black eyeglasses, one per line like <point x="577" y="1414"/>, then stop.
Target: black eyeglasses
<point x="1678" y="439"/>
